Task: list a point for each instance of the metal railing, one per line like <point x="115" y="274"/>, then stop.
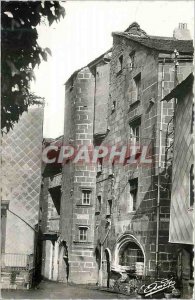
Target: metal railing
<point x="15" y="260"/>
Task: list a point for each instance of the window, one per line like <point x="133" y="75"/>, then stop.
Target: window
<point x="99" y="203"/>
<point x="137" y="80"/>
<point x="135" y="131"/>
<point x="133" y="186"/>
<point x="99" y="165"/>
<point x="83" y="234"/>
<point x="192" y="119"/>
<point x="130" y="254"/>
<point x="111" y="169"/>
<point x="113" y="106"/>
<point x="109" y="208"/>
<point x="120" y="64"/>
<point x="131" y="60"/>
<point x="86" y="197"/>
<point x="192" y="185"/>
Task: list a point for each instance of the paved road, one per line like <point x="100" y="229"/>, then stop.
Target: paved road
<point x="53" y="290"/>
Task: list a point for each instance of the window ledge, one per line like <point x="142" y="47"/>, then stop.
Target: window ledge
<point x="137" y="102"/>
<point x="131" y="212"/>
<point x="108" y="216"/>
<point x="83" y="244"/>
<point x="84" y="205"/>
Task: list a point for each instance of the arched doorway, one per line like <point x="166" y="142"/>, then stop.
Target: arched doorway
<point x="98" y="262"/>
<point x="129" y="255"/>
<point x="63" y="271"/>
<point x="108" y="265"/>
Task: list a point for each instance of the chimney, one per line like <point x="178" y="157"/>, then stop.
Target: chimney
<point x="182" y="32"/>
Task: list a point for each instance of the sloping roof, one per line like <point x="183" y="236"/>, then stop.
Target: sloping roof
<point x="181" y="88"/>
<point x="89" y="65"/>
<point x="160" y="43"/>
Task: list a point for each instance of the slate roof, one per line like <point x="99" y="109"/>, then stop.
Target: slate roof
<point x="163" y="44"/>
<point x="177" y="92"/>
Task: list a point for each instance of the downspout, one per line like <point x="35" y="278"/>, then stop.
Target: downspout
<point x="159" y="173"/>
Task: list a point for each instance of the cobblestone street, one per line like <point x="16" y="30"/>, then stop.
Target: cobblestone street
<point x="53" y="290"/>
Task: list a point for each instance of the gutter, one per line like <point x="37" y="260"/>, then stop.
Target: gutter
<point x="159" y="173"/>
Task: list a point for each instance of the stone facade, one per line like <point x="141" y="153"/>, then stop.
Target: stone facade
<point x="105" y="102"/>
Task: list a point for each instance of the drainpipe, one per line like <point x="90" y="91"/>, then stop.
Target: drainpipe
<point x="101" y="255"/>
<point x="159" y="172"/>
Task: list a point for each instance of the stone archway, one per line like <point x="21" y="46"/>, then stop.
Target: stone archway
<point x="129" y="254"/>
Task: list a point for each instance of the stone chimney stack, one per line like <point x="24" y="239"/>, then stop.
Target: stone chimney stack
<point x="182" y="32"/>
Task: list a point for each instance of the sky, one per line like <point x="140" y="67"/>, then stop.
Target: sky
<point x="85" y="33"/>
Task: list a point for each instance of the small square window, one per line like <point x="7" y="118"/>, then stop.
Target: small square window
<point x="83" y="234"/>
<point x="86" y="197"/>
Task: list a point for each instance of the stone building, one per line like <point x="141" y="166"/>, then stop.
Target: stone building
<point x="21" y="183"/>
<point x="48" y="247"/>
<point x="115" y="216"/>
<point x="181" y="228"/>
<point x="85" y="117"/>
<point x="136" y="197"/>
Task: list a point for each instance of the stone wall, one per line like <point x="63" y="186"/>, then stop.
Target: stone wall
<point x="142" y="223"/>
<point x="79" y="116"/>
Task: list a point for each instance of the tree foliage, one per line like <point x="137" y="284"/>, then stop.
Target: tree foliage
<point x="21" y="53"/>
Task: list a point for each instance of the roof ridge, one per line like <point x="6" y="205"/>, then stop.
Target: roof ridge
<point x="158" y="43"/>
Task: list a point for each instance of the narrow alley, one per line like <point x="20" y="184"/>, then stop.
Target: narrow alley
<point x="54" y="290"/>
